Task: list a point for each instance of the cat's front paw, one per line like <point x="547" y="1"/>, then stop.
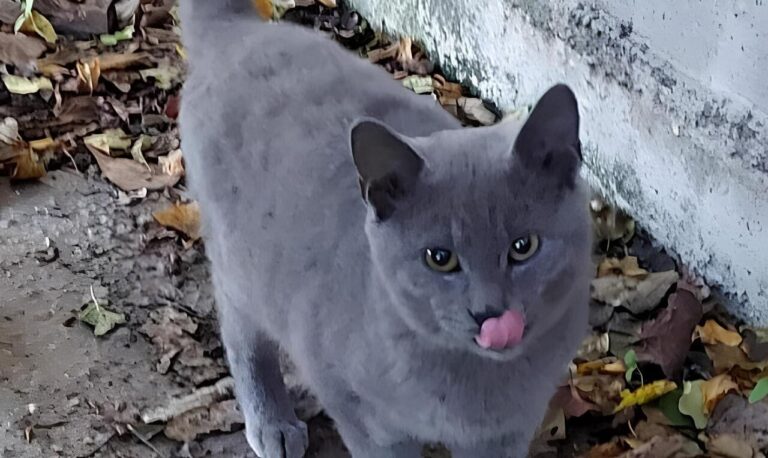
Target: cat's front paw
<point x="278" y="438"/>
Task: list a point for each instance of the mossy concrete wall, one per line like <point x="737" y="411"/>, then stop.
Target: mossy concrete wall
<point x="674" y="102"/>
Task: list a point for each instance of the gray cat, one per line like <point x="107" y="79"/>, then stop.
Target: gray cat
<point x="429" y="282"/>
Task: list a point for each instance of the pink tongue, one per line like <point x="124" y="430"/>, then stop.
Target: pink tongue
<point x="502" y="332"/>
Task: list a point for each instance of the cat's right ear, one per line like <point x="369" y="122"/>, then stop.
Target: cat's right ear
<point x="386" y="165"/>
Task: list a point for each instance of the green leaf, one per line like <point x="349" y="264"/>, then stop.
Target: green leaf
<point x="691" y="403"/>
<point x="760" y="391"/>
<point x="669" y="406"/>
<point x="630" y="361"/>
<point x="100" y="318"/>
<point x="20" y="85"/>
<point x="121" y="35"/>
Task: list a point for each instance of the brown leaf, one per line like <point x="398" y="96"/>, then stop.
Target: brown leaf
<point x="220" y="416"/>
<point x="712" y="333"/>
<point x="715" y="389"/>
<point x="724" y="358"/>
<point x="730" y="446"/>
<point x="328" y="3"/>
<point x="676" y="446"/>
<point x="747" y="422"/>
<point x="20" y="50"/>
<point x="667" y="339"/>
<point x="638" y="295"/>
<point x="608" y="450"/>
<point x="569" y="399"/>
<point x="28" y="166"/>
<point x="88" y="75"/>
<point x="626" y="266"/>
<point x="129" y="175"/>
<point x="755" y="349"/>
<point x="604" y="391"/>
<point x="173" y="163"/>
<point x="182" y="217"/>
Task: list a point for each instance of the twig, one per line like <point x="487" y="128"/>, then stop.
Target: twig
<point x="95" y="302"/>
<point x="144" y="440"/>
<point x="200" y="398"/>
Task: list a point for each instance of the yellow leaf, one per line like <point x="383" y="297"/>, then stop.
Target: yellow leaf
<point x="712" y="333"/>
<point x="328" y="3"/>
<point x="43" y="144"/>
<point x="715" y="389"/>
<point x="627" y="267"/>
<point x="39" y="24"/>
<point x="20" y="85"/>
<point x="182" y="217"/>
<point x="605" y="366"/>
<point x="29" y="166"/>
<point x="108" y="140"/>
<point x="645" y="394"/>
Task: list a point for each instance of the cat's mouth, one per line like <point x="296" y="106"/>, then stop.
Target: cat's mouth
<point x="501" y="332"/>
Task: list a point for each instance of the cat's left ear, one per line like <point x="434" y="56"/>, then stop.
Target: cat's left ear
<point x="549" y="142"/>
<point x="386" y="165"/>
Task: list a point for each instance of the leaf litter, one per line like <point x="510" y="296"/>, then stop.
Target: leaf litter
<point x="662" y="374"/>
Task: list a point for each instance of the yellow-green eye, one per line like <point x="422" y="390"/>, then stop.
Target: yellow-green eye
<point x="441" y="260"/>
<point x="523" y="248"/>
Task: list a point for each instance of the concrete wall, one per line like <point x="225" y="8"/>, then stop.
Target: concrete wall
<point x="674" y="100"/>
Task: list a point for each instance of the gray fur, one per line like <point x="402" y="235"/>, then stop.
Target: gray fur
<point x="301" y="261"/>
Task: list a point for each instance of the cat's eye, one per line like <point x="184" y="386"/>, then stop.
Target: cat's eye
<point x="523" y="248"/>
<point x="441" y="260"/>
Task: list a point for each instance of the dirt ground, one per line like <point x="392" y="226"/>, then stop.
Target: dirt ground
<point x="67" y="389"/>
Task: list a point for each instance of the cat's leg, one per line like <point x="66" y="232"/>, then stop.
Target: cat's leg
<point x="363" y="440"/>
<point x="272" y="429"/>
<point x="506" y="447"/>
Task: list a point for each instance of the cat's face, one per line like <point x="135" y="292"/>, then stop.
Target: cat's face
<point x="478" y="229"/>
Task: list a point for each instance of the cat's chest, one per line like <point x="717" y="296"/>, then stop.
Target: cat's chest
<point x="439" y="400"/>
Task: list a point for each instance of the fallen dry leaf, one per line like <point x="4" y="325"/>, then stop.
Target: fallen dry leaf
<point x="609" y="365"/>
<point x="712" y="333"/>
<point x="28" y="166"/>
<point x="667" y="339"/>
<point x="610" y="223"/>
<point x="23" y="86"/>
<point x="756" y="349"/>
<point x="730" y="446"/>
<point x="604" y="391"/>
<point x="608" y="450"/>
<point x="594" y="346"/>
<point x="182" y="217"/>
<point x="626" y="266"/>
<point x="88" y="75"/>
<point x="645" y="394"/>
<point x="747" y="422"/>
<point x="129" y="175"/>
<point x="172" y="163"/>
<point x="677" y="446"/>
<point x="725" y="358"/>
<point x="570" y="401"/>
<point x="39" y="24"/>
<point x="638" y="295"/>
<point x="19" y="50"/>
<point x="220" y="416"/>
<point x="715" y="389"/>
<point x="171" y="332"/>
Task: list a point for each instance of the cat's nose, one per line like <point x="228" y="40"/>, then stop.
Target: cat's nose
<point x="489" y="312"/>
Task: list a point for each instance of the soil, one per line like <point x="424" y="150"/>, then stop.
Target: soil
<point x="69" y="390"/>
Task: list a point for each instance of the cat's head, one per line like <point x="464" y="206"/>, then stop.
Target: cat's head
<point x="466" y="224"/>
